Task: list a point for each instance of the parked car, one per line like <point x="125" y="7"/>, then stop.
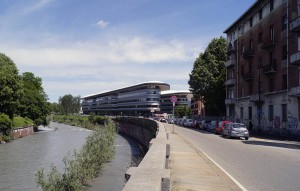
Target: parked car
<point x="236" y="130"/>
<point x="188" y="123"/>
<point x="205" y="124"/>
<point x="212" y="126"/>
<point x="196" y="124"/>
<point x="163" y="120"/>
<point x="221" y="126"/>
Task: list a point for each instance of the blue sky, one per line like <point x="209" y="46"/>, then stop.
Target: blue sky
<point x="84" y="47"/>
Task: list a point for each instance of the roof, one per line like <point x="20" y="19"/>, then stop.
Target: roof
<point x="163" y="86"/>
<point x="256" y="4"/>
<point x="173" y="92"/>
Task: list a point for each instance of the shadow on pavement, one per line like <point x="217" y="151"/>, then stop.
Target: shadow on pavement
<point x="272" y="144"/>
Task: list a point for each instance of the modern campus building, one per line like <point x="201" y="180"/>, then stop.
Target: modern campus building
<point x="183" y="98"/>
<point x="263" y="73"/>
<point x="140" y="99"/>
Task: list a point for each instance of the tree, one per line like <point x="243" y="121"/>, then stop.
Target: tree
<point x="208" y="77"/>
<point x="11" y="87"/>
<point x="182" y="110"/>
<point x="69" y="104"/>
<point x="34" y="103"/>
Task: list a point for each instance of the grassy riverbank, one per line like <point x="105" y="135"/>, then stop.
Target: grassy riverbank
<point x="85" y="164"/>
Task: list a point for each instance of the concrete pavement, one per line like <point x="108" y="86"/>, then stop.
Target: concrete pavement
<point x="192" y="170"/>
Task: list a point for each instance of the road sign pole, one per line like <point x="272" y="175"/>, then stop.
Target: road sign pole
<point x="173" y="116"/>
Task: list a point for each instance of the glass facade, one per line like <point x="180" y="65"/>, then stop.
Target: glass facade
<point x="141" y="99"/>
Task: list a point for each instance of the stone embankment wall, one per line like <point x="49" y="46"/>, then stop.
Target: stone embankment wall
<point x="22" y="132"/>
<point x="152" y="174"/>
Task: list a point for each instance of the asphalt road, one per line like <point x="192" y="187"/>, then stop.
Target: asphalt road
<point x="257" y="164"/>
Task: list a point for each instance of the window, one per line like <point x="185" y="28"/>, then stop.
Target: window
<point x="242" y="113"/>
<point x="298" y="108"/>
<point x="298" y="9"/>
<point x="250" y="88"/>
<point x="284" y="52"/>
<point x="271" y="113"/>
<point x="270" y="57"/>
<point x="251" y="44"/>
<point x="271" y="5"/>
<point x="284" y="112"/>
<point x="271" y="85"/>
<point x="231" y="93"/>
<point x="284" y="82"/>
<point x="298" y="42"/>
<point x="260" y="14"/>
<point x="251" y="22"/>
<point x="272" y="37"/>
<point x="284" y="23"/>
<point x="250" y="113"/>
<point x="260" y="36"/>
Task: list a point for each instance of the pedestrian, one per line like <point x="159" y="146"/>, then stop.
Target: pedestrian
<point x="250" y="125"/>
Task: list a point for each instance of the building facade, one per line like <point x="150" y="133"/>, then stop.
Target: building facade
<point x="262" y="82"/>
<point x="197" y="108"/>
<point x="183" y="98"/>
<point x="142" y="99"/>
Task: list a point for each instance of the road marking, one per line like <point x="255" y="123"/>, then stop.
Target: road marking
<point x="234" y="180"/>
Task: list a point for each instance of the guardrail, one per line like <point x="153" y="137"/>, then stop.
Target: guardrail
<point x="152" y="174"/>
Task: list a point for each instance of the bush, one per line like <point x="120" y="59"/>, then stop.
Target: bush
<point x="5" y="124"/>
<point x="83" y="165"/>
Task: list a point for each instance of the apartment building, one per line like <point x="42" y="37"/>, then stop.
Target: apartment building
<point x="263" y="66"/>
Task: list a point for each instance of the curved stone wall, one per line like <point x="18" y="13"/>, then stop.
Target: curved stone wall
<point x="152" y="174"/>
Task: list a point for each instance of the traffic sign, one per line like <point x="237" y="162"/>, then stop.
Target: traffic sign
<point x="173" y="99"/>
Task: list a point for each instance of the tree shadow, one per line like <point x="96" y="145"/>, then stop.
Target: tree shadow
<point x="272" y="144"/>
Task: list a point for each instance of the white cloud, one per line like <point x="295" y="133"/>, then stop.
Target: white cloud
<point x="91" y="67"/>
<point x="102" y="24"/>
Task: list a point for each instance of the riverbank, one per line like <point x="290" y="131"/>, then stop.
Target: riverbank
<point x="112" y="176"/>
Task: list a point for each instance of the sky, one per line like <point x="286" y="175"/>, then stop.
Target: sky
<point x="83" y="47"/>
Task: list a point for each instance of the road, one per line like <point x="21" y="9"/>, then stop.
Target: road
<point x="257" y="164"/>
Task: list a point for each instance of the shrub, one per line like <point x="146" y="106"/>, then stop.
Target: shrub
<point x="83" y="165"/>
<point x="5" y="124"/>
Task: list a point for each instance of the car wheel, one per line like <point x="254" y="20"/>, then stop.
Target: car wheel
<point x="246" y="138"/>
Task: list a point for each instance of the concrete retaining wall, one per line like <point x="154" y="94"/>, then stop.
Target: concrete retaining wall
<point x="152" y="173"/>
<point x="22" y="132"/>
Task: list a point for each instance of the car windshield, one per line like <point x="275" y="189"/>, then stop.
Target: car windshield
<point x="239" y="126"/>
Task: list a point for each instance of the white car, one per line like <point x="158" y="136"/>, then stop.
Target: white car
<point x="236" y="130"/>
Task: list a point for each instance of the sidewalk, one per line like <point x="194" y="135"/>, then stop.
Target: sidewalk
<point x="191" y="170"/>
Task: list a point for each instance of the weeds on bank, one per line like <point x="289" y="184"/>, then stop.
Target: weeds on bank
<point x="82" y="165"/>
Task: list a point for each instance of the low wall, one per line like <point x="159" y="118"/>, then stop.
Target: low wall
<point x="22" y="132"/>
<point x="152" y="173"/>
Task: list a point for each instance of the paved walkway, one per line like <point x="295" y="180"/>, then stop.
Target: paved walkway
<point x="191" y="170"/>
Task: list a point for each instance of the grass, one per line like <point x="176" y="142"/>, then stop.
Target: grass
<point x="21" y="122"/>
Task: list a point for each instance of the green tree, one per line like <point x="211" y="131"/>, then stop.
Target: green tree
<point x="182" y="110"/>
<point x="69" y="104"/>
<point x="34" y="103"/>
<point x="11" y="87"/>
<point x="208" y="77"/>
<point x="5" y="124"/>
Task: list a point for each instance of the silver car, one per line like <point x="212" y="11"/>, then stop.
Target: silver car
<point x="236" y="130"/>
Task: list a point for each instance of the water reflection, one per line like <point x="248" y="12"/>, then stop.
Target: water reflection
<point x="20" y="159"/>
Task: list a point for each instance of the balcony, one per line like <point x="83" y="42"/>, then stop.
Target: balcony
<point x="247" y="76"/>
<point x="268" y="44"/>
<point x="295" y="91"/>
<point x="230" y="82"/>
<point x="230" y="49"/>
<point x="230" y="101"/>
<point x="270" y="68"/>
<point x="295" y="59"/>
<point x="248" y="54"/>
<point x="257" y="98"/>
<point x="230" y="62"/>
<point x="295" y="25"/>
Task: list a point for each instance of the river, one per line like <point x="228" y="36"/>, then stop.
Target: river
<point x="21" y="158"/>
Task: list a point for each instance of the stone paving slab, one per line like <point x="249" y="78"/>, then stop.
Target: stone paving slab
<point x="191" y="170"/>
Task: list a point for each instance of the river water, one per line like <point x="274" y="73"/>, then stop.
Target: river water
<point x="21" y="158"/>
